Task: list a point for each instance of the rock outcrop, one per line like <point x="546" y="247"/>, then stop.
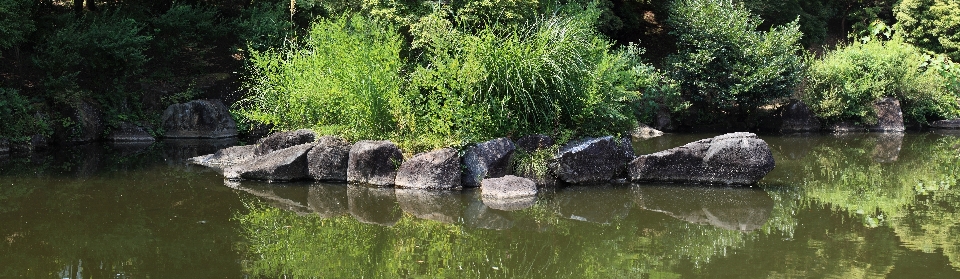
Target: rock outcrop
<point x="488" y="159"/>
<point x="438" y="169"/>
<point x="508" y="192"/>
<point x="592" y="160"/>
<point x="199" y="119"/>
<point x="736" y="158"/>
<point x="889" y="116"/>
<point x="374" y="162"/>
<point x="281" y="140"/>
<point x="282" y="165"/>
<point x="797" y="118"/>
<point x="129" y="132"/>
<point x="327" y="161"/>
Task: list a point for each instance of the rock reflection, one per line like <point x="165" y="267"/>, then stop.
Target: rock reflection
<point x="438" y="205"/>
<point x="888" y="147"/>
<point x="373" y="205"/>
<point x="290" y="198"/>
<point x="739" y="209"/>
<point x="328" y="200"/>
<point x="510" y="204"/>
<point x="478" y="215"/>
<point x="595" y="204"/>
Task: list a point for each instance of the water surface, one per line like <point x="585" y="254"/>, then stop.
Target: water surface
<point x="862" y="205"/>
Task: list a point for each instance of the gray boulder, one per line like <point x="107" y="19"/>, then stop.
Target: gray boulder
<point x="508" y="192"/>
<point x="374" y="162"/>
<point x="198" y="119"/>
<point x="735" y="158"/>
<point x="327" y="161"/>
<point x="225" y="158"/>
<point x="282" y="140"/>
<point x="889" y="116"/>
<point x="129" y="132"/>
<point x="438" y="205"/>
<point x="946" y="124"/>
<point x="282" y="165"/>
<point x="438" y="169"/>
<point x="592" y="160"/>
<point x="797" y="118"/>
<point x="486" y="159"/>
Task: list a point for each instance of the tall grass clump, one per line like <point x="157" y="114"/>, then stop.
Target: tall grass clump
<point x="844" y="84"/>
<point x="342" y="79"/>
<point x="555" y="74"/>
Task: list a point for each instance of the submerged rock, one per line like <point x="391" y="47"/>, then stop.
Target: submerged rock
<point x="129" y="132"/>
<point x="225" y="158"/>
<point x="736" y="158"/>
<point x="488" y="159"/>
<point x="281" y="140"/>
<point x="327" y="161"/>
<point x="282" y="165"/>
<point x="889" y="116"/>
<point x="438" y="169"/>
<point x="199" y="119"/>
<point x="592" y="160"/>
<point x="374" y="162"/>
<point x="508" y="192"/>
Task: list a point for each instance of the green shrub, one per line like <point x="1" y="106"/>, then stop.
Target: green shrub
<point x="18" y="116"/>
<point x="184" y="38"/>
<point x="264" y="26"/>
<point x="15" y="22"/>
<point x="343" y="79"/>
<point x="101" y="53"/>
<point x="723" y="64"/>
<point x="931" y="25"/>
<point x="552" y="75"/>
<point x="844" y="84"/>
<point x="658" y="93"/>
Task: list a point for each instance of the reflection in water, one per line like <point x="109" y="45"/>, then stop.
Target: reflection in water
<point x="328" y="200"/>
<point x="290" y="198"/>
<point x="596" y="204"/>
<point x="438" y="205"/>
<point x="509" y="204"/>
<point x="740" y="209"/>
<point x="373" y="205"/>
<point x="888" y="147"/>
<point x="478" y="215"/>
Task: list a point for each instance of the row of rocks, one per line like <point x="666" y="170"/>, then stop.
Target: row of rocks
<point x="734" y="159"/>
<point x="796" y="117"/>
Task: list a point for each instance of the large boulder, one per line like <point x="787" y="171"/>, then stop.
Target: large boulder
<point x="733" y="159"/>
<point x="797" y="118"/>
<point x="438" y="169"/>
<point x="327" y="161"/>
<point x="281" y="140"/>
<point x="889" y="116"/>
<point x="198" y="119"/>
<point x="946" y="124"/>
<point x="129" y="132"/>
<point x="225" y="158"/>
<point x="592" y="160"/>
<point x="282" y="165"/>
<point x="508" y="192"/>
<point x="374" y="162"/>
<point x="486" y="159"/>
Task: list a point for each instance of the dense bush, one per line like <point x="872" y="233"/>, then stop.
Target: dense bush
<point x="15" y="23"/>
<point x="19" y="117"/>
<point x="102" y="53"/>
<point x="184" y="38"/>
<point x="343" y="79"/>
<point x="554" y="75"/>
<point x="724" y="65"/>
<point x="264" y="26"/>
<point x="844" y="84"/>
<point x="931" y="25"/>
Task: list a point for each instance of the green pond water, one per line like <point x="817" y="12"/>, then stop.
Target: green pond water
<point x="852" y="206"/>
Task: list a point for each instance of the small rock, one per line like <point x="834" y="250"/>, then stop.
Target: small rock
<point x="508" y="192"/>
<point x="642" y="131"/>
<point x="282" y="165"/>
<point x="327" y="161"/>
<point x="735" y="158"/>
<point x="592" y="160"/>
<point x="438" y="169"/>
<point x="946" y="124"/>
<point x="374" y="162"/>
<point x="486" y="159"/>
<point x="199" y="119"/>
<point x="225" y="158"/>
<point x="281" y="140"/>
<point x="129" y="132"/>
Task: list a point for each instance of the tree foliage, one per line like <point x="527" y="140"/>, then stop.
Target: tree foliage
<point x="931" y="25"/>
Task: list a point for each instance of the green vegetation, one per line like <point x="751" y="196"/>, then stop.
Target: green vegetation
<point x="845" y="83"/>
<point x="931" y="25"/>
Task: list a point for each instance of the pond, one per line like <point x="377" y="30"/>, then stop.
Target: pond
<point x="860" y="205"/>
